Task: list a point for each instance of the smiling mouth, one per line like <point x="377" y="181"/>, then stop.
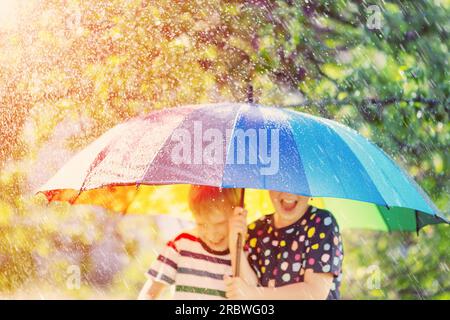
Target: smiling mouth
<point x="288" y="205"/>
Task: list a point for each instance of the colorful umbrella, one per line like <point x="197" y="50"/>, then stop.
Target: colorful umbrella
<point x="246" y="146"/>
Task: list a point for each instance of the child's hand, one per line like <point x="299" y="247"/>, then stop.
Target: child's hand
<point x="238" y="289"/>
<point x="237" y="224"/>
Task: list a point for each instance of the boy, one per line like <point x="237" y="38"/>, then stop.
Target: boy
<point x="296" y="252"/>
<point x="195" y="262"/>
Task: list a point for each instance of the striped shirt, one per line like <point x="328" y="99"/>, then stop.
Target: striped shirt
<point x="194" y="269"/>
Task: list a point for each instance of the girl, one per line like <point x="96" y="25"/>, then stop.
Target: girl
<point x="295" y="253"/>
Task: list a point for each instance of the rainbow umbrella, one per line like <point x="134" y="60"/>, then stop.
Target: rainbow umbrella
<point x="244" y="146"/>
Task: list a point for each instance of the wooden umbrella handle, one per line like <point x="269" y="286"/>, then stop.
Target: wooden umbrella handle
<point x="237" y="269"/>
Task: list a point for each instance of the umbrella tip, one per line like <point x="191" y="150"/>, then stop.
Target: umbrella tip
<point x="250" y="98"/>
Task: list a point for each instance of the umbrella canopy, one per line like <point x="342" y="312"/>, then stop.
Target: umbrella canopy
<point x="245" y="146"/>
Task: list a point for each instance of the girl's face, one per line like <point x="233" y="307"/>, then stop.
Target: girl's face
<point x="289" y="207"/>
<point x="213" y="229"/>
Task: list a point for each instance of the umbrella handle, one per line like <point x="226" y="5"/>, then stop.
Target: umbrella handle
<point x="237" y="270"/>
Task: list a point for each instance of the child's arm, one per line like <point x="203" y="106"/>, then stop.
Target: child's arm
<point x="151" y="290"/>
<point x="238" y="224"/>
<point x="315" y="287"/>
<point x="162" y="273"/>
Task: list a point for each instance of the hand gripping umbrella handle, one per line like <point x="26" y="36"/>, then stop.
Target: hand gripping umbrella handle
<point x="239" y="243"/>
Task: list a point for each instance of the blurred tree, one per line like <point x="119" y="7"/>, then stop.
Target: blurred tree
<point x="391" y="83"/>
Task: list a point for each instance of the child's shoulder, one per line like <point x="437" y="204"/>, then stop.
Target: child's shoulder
<point x="325" y="217"/>
<point x="260" y="222"/>
<point x="190" y="235"/>
<point x="323" y="213"/>
<point x="186" y="233"/>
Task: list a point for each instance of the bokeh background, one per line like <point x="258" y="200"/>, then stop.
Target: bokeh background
<point x="70" y="70"/>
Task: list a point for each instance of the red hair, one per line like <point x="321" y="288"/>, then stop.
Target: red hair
<point x="205" y="198"/>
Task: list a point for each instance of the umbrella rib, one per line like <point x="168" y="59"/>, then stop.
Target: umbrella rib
<point x="134" y="197"/>
<point x="288" y="124"/>
<point x="413" y="183"/>
<point x="94" y="164"/>
<point x="384" y="218"/>
<point x="139" y="183"/>
<point x="162" y="145"/>
<point x="357" y="159"/>
<point x="91" y="167"/>
<point x="238" y="115"/>
<point x="405" y="175"/>
<point x="317" y="142"/>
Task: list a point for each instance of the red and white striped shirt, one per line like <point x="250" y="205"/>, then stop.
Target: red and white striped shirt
<point x="194" y="269"/>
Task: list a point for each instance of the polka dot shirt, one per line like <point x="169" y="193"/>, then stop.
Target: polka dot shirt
<point x="281" y="256"/>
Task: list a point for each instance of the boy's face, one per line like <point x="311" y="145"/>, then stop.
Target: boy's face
<point x="290" y="207"/>
<point x="213" y="229"/>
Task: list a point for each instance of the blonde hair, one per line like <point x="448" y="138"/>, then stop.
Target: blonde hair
<point x="204" y="198"/>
